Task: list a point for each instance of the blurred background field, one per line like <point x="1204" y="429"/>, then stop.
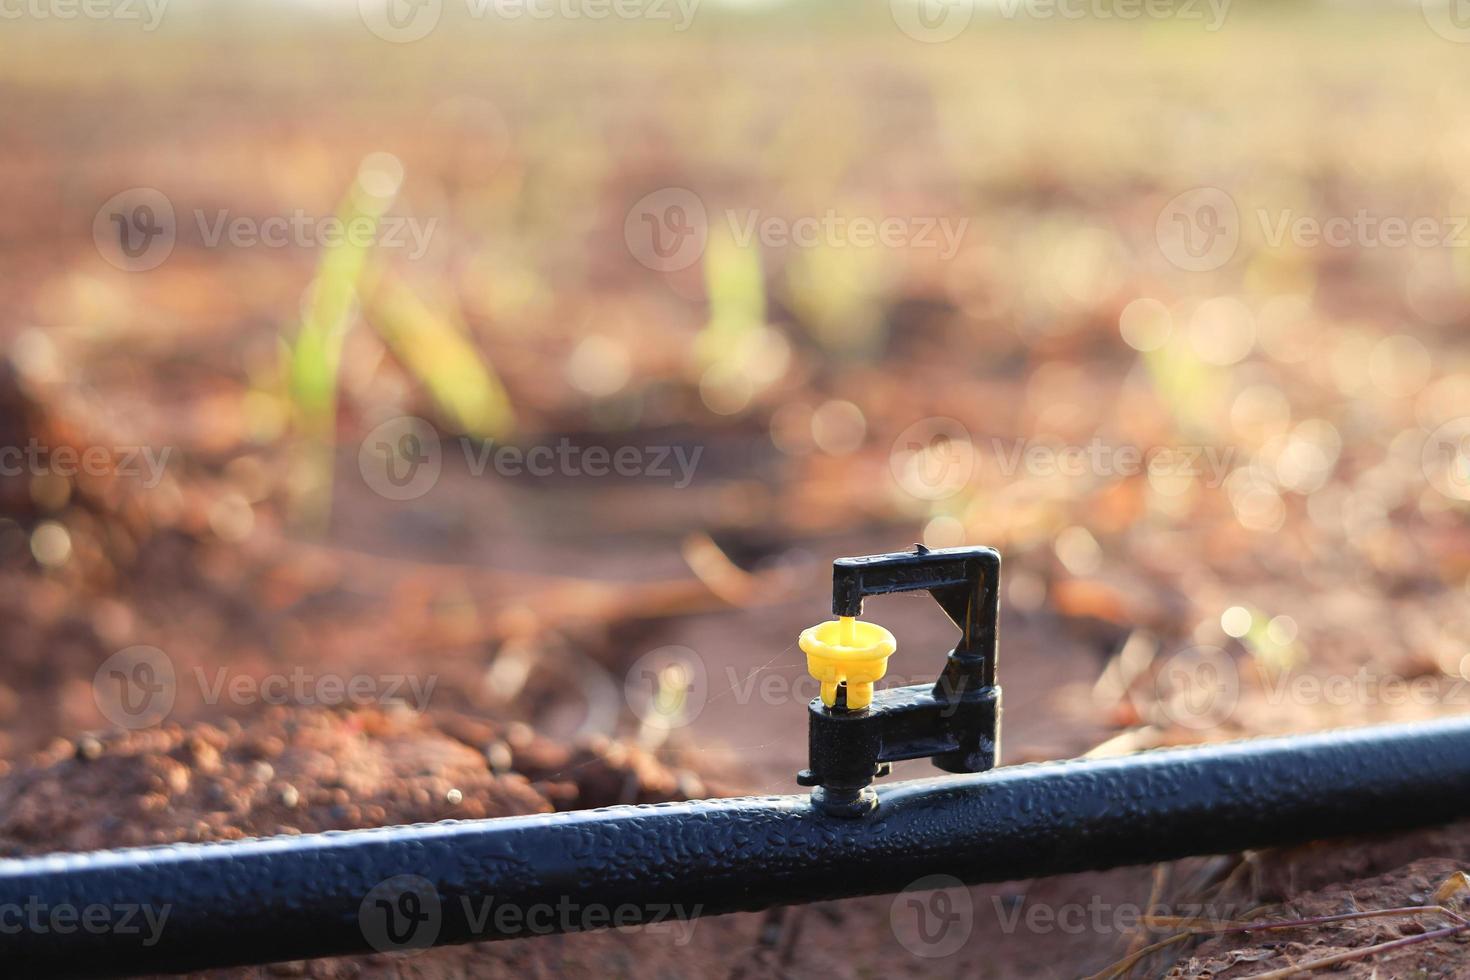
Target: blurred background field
<point x="604" y="639"/>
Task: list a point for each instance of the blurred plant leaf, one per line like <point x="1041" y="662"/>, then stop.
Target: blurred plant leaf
<point x="313" y="357"/>
<point x="1191" y="389"/>
<point x="735" y="285"/>
<point x="1271" y="653"/>
<point x="434" y="347"/>
<point x="738" y="353"/>
<point x="837" y="291"/>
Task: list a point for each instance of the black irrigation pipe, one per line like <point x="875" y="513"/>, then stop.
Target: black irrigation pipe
<point x="316" y="895"/>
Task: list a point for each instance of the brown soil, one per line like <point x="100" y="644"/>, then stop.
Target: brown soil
<point x="1414" y="884"/>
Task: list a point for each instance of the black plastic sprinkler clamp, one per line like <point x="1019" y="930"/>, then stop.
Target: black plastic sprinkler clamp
<point x="856" y="736"/>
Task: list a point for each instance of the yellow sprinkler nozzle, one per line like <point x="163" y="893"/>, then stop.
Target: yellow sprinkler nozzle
<point x="847" y="650"/>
